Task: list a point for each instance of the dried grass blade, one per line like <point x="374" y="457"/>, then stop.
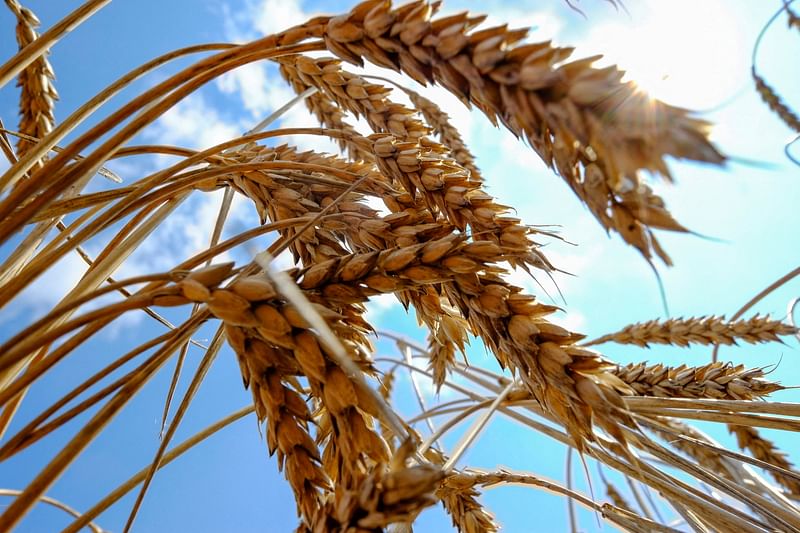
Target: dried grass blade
<point x="216" y="233"/>
<point x="406" y="350"/>
<point x="30" y="53"/>
<point x="737" y="406"/>
<point x="103" y="171"/>
<point x="200" y="374"/>
<point x="35" y="429"/>
<point x="77" y="117"/>
<point x="475" y="430"/>
<point x="170" y="456"/>
<point x="741" y="419"/>
<point x="47" y="476"/>
<point x="150" y="104"/>
<point x="57" y="504"/>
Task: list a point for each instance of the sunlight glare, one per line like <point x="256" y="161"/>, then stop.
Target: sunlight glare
<point x="680" y="51"/>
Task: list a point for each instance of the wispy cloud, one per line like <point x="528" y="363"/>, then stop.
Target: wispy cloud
<point x="257" y="92"/>
<point x="193" y="123"/>
<point x="47" y="290"/>
<point x="263" y="17"/>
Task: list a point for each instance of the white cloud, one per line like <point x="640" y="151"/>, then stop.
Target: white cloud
<point x="378" y="306"/>
<point x="544" y="24"/>
<point x="258" y="92"/>
<point x="263" y="17"/>
<point x="186" y="232"/>
<point x="45" y="292"/>
<point x="273" y="16"/>
<point x="194" y="124"/>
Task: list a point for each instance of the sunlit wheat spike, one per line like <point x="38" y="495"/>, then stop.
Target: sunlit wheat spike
<point x="38" y="95"/>
<point x="597" y="132"/>
<point x="274" y="342"/>
<point x="700" y="330"/>
<point x="722" y="381"/>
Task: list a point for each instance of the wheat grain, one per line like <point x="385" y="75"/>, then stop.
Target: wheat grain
<point x="416" y="163"/>
<point x="447" y="336"/>
<point x="409" y="226"/>
<point x="448" y="134"/>
<point x="274" y="343"/>
<point x="353" y="93"/>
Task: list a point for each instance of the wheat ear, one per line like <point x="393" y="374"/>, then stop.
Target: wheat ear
<point x="750" y="439"/>
<point x="722" y="381"/>
<point x="38" y="96"/>
<point x="701" y="330"/>
<point x="775" y="103"/>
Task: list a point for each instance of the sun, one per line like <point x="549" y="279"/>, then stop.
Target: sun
<point x="683" y="52"/>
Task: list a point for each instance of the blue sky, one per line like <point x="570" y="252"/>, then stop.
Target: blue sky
<point x="690" y="53"/>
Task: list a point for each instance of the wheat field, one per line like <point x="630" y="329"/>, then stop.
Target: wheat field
<point x="367" y="427"/>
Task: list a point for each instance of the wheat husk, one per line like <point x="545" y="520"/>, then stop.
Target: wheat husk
<point x="448" y="134"/>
